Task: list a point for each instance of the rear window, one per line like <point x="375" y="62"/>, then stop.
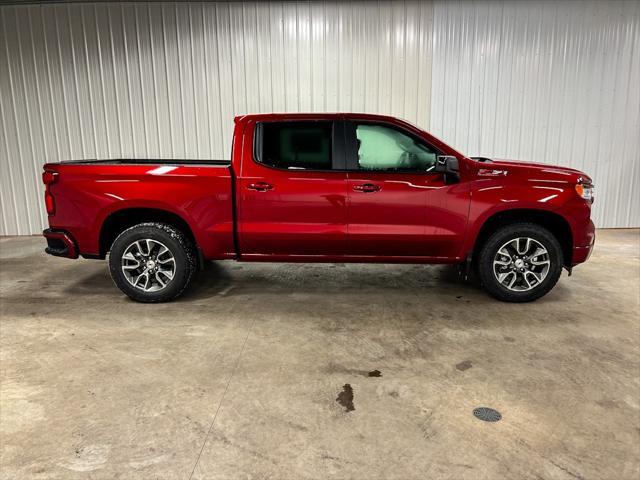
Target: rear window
<point x="299" y="145"/>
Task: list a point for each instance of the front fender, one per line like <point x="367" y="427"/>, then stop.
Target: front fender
<point x="490" y="197"/>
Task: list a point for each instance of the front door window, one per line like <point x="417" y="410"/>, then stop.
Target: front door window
<point x="381" y="148"/>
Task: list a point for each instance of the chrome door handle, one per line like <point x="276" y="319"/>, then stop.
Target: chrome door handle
<point x="366" y="188"/>
<point x="260" y="186"/>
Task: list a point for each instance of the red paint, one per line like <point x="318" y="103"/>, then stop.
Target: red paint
<point x="298" y="215"/>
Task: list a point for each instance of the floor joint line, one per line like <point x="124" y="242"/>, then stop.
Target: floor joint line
<point x="213" y="421"/>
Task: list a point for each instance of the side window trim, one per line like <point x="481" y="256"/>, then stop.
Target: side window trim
<point x="351" y="148"/>
<point x="339" y="154"/>
<point x="338" y="151"/>
<point x="257" y="144"/>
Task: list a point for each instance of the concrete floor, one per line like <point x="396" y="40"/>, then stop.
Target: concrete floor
<point x="239" y="378"/>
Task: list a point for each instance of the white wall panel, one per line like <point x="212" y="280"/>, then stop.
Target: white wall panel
<point x="545" y="81"/>
<point x="110" y="80"/>
<point x="555" y="82"/>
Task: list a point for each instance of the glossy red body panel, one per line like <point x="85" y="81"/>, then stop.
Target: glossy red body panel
<point x="319" y="216"/>
<point x="303" y="213"/>
<point x="86" y="195"/>
<point x="525" y="186"/>
<point x="415" y="215"/>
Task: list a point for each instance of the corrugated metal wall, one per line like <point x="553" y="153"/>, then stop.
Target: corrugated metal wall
<point x="556" y="82"/>
<point x="165" y="80"/>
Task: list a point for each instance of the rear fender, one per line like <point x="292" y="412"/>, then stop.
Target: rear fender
<point x="137" y="205"/>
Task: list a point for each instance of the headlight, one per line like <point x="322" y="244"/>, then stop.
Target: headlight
<point x="586" y="191"/>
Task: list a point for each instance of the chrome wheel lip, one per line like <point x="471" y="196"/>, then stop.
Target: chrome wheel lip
<point x="521" y="264"/>
<point x="148" y="265"/>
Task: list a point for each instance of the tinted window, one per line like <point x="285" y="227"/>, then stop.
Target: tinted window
<point x="299" y="145"/>
<point x="385" y="148"/>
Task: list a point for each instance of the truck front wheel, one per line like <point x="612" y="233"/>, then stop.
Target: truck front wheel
<point x="152" y="262"/>
<point x="520" y="262"/>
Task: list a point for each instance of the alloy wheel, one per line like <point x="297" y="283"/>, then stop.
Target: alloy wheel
<point x="521" y="264"/>
<point x="148" y="265"/>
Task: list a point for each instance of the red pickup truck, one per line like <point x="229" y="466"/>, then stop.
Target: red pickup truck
<point x="322" y="188"/>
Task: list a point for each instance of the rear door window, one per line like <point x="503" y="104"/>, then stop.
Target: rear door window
<point x="296" y="145"/>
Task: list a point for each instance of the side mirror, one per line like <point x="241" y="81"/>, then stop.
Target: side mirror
<point x="448" y="165"/>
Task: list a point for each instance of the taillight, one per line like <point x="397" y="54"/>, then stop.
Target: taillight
<point x="49" y="178"/>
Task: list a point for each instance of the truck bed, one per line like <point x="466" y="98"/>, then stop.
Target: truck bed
<point x="92" y="193"/>
<point x="149" y="161"/>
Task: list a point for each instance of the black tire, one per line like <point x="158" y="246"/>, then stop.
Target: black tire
<point x="501" y="237"/>
<point x="179" y="247"/>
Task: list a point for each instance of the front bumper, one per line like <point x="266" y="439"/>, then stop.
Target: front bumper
<point x="582" y="253"/>
<point x="60" y="244"/>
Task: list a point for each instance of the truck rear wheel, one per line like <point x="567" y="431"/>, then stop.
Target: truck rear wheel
<point x="520" y="262"/>
<point x="152" y="262"/>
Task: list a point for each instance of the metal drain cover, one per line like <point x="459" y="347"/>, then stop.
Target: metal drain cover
<point x="487" y="414"/>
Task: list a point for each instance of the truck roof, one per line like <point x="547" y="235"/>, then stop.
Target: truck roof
<point x="317" y="116"/>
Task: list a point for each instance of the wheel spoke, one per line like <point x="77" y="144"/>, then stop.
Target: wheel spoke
<point x="166" y="260"/>
<point x="157" y="248"/>
<point x="543" y="262"/>
<point x="537" y="254"/>
<point x="538" y="277"/>
<point x="142" y="275"/>
<point x="503" y="276"/>
<point x="538" y="251"/>
<point x="166" y="273"/>
<point x="130" y="262"/>
<point x="526" y="247"/>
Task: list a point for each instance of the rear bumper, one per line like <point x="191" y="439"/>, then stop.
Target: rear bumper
<point x="60" y="244"/>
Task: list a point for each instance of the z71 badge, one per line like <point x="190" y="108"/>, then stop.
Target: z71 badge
<point x="488" y="172"/>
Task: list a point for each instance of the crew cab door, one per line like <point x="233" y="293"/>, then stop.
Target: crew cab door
<point x="398" y="205"/>
<point x="291" y="196"/>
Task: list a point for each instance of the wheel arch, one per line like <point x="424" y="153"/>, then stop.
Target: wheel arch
<point x="117" y="222"/>
<point x="552" y="221"/>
